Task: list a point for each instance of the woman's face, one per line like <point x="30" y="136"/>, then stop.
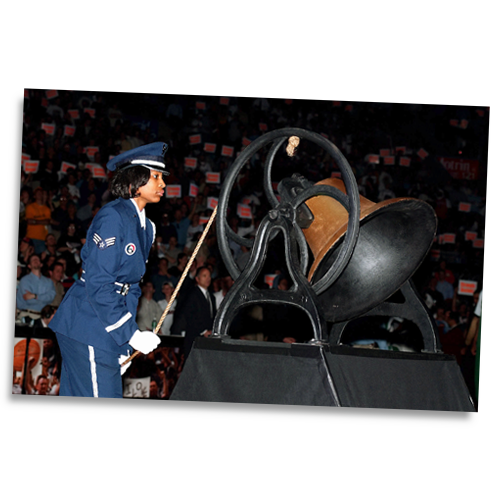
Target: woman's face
<point x="152" y="191"/>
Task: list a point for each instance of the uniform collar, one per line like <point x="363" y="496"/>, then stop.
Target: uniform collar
<point x="141" y="213"/>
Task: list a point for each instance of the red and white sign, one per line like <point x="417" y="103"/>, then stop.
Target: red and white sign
<point x="24" y="157"/>
<point x="90" y="112"/>
<point x="193" y="190"/>
<point x="65" y="166"/>
<point x="372" y="158"/>
<point x="173" y="191"/>
<point x="435" y="254"/>
<point x="246" y="200"/>
<point x="269" y="279"/>
<point x="460" y="168"/>
<point x="336" y="103"/>
<point x="470" y="235"/>
<point x="212" y="178"/>
<point x="337" y="175"/>
<point x="385" y="152"/>
<point x="98" y="172"/>
<point x="263" y="127"/>
<point x="464" y="207"/>
<point x="389" y="160"/>
<point x="195" y="139"/>
<point x="200" y="105"/>
<point x="74" y="113"/>
<point x="400" y="149"/>
<point x="246" y="142"/>
<point x="50" y="94"/>
<point x="227" y="151"/>
<point x="466" y="287"/>
<point x="204" y="219"/>
<point x="422" y="153"/>
<point x="224" y="101"/>
<point x="446" y="238"/>
<point x="478" y="243"/>
<point x="212" y="202"/>
<point x="90" y="151"/>
<point x="31" y="166"/>
<point x="49" y="128"/>
<point x="209" y="147"/>
<point x="244" y="211"/>
<point x="404" y="161"/>
<point x="69" y="130"/>
<point x="190" y="162"/>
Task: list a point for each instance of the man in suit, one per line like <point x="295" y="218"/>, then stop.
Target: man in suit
<point x="197" y="314"/>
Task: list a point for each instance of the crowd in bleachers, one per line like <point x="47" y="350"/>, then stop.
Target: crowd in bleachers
<point x="69" y="136"/>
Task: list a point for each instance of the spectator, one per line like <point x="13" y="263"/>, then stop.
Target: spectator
<point x="148" y="312"/>
<point x="448" y="274"/>
<point x="50" y="248"/>
<point x="197" y="312"/>
<point x="176" y="271"/>
<point x="445" y="287"/>
<point x="26" y="249"/>
<point x="172" y="251"/>
<point x="86" y="212"/>
<point x="38" y="219"/>
<point x="165" y="229"/>
<point x="167" y="289"/>
<point x="46" y="315"/>
<point x="452" y="341"/>
<point x="226" y="283"/>
<point x="181" y="224"/>
<point x="71" y="218"/>
<point x="158" y="278"/>
<point x="195" y="228"/>
<point x="56" y="274"/>
<point x="74" y="190"/>
<point x="70" y="242"/>
<point x="35" y="291"/>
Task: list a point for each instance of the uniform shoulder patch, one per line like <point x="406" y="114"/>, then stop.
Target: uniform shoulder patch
<point x="101" y="243"/>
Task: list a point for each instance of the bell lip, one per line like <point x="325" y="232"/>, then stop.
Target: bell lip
<point x="366" y="213"/>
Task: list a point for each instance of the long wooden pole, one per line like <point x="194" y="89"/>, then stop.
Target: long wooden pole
<point x="181" y="280"/>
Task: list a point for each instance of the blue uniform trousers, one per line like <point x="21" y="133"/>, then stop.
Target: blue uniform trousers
<point x="87" y="371"/>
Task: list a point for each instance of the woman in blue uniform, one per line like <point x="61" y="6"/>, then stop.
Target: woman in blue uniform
<point x="95" y="323"/>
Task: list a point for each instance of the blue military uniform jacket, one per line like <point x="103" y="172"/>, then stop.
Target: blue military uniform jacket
<point x="100" y="309"/>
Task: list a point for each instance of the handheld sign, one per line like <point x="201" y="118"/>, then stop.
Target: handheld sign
<point x="212" y="202"/>
<point x="195" y="139"/>
<point x="227" y="151"/>
<point x="212" y="178"/>
<point x="269" y="279"/>
<point x="466" y="287"/>
<point x="244" y="211"/>
<point x="209" y="147"/>
<point x="193" y="190"/>
<point x="190" y="162"/>
<point x="31" y="166"/>
<point x="173" y="191"/>
<point x="49" y="128"/>
<point x="136" y="387"/>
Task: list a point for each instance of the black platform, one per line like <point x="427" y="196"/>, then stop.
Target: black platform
<point x="233" y="371"/>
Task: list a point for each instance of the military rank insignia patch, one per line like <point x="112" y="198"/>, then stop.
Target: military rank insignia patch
<point x="130" y="249"/>
<point x="103" y="244"/>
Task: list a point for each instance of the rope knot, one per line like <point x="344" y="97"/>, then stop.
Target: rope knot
<point x="293" y="142"/>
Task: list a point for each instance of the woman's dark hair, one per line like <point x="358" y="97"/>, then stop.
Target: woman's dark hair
<point x="125" y="183"/>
